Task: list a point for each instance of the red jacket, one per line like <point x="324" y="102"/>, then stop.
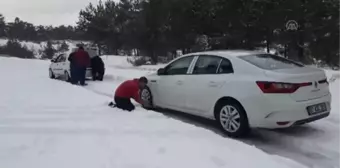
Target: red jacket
<point x="82" y="58"/>
<point x="129" y="89"/>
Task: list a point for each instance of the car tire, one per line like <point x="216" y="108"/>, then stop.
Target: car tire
<point x="67" y="77"/>
<point x="146" y="96"/>
<point x="232" y="118"/>
<point x="101" y="77"/>
<point x="51" y="74"/>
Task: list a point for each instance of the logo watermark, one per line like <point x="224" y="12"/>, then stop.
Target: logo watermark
<point x="292" y="25"/>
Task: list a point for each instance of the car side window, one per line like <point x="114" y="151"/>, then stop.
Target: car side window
<point x="207" y="64"/>
<point x="225" y="67"/>
<point x="62" y="58"/>
<point x="57" y="59"/>
<point x="179" y="67"/>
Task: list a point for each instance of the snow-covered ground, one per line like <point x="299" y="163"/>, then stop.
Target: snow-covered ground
<point x="37" y="48"/>
<point x="50" y="123"/>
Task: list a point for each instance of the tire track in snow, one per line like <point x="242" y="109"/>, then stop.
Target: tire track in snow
<point x="291" y="144"/>
<point x="100" y="93"/>
<point x="133" y="68"/>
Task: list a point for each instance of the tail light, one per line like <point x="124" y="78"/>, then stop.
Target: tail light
<point x="323" y="81"/>
<point x="279" y="87"/>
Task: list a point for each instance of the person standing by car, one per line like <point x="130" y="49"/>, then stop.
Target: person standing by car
<point x="72" y="68"/>
<point x="127" y="90"/>
<point x="97" y="67"/>
<point x="81" y="61"/>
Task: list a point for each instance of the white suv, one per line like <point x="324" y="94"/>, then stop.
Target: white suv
<point x="60" y="68"/>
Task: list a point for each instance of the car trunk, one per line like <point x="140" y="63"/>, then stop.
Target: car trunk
<point x="318" y="85"/>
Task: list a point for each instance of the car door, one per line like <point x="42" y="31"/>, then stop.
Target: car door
<point x="63" y="64"/>
<point x="58" y="65"/>
<point x="55" y="66"/>
<point x="208" y="76"/>
<point x="171" y="85"/>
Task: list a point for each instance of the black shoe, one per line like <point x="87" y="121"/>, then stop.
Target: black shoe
<point x="111" y="104"/>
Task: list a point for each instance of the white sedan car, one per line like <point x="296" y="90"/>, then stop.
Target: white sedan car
<point x="60" y="68"/>
<point x="241" y="90"/>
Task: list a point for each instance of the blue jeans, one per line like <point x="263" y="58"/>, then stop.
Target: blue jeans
<point x="82" y="75"/>
<point x="78" y="74"/>
<point x="74" y="77"/>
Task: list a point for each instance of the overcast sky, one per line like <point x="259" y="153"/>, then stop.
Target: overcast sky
<point x="44" y="12"/>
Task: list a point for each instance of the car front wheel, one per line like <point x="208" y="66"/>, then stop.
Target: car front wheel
<point x="146" y="97"/>
<point x="67" y="77"/>
<point x="232" y="119"/>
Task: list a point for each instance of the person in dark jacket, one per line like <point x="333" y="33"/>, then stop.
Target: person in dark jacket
<point x="127" y="90"/>
<point x="72" y="68"/>
<point x="98" y="69"/>
<point x="81" y="61"/>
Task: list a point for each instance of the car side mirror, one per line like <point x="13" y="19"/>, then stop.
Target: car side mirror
<point x="161" y="71"/>
<point x="52" y="60"/>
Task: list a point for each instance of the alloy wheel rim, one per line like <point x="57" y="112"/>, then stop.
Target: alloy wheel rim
<point x="50" y="73"/>
<point x="230" y="118"/>
<point x="145" y="95"/>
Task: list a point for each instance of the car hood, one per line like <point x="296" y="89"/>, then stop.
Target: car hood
<point x="152" y="74"/>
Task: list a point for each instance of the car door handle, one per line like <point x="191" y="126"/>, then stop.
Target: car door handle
<point x="213" y="84"/>
<point x="179" y="82"/>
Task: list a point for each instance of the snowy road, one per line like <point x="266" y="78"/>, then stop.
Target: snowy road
<point x="50" y="123"/>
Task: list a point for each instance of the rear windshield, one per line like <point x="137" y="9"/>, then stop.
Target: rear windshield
<point x="270" y="62"/>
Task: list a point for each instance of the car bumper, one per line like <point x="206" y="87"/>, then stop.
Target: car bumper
<point x="283" y="115"/>
<point x="311" y="119"/>
<point x="88" y="73"/>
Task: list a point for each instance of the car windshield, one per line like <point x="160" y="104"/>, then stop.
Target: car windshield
<point x="270" y="62"/>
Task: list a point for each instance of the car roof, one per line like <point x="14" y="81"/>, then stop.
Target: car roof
<point x="228" y="53"/>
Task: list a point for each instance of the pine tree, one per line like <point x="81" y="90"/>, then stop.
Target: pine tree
<point x="63" y="47"/>
<point x="2" y="25"/>
<point x="49" y="51"/>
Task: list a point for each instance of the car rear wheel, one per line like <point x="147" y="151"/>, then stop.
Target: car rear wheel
<point x="67" y="77"/>
<point x="51" y="74"/>
<point x="232" y="119"/>
<point x="146" y="97"/>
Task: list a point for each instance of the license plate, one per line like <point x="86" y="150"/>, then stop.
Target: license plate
<point x="316" y="109"/>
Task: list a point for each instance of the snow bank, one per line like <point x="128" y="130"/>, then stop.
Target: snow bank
<point x="334" y="79"/>
<point x="120" y="62"/>
<point x="332" y="75"/>
<point x="37" y="48"/>
<point x="50" y="123"/>
<point x="3" y="42"/>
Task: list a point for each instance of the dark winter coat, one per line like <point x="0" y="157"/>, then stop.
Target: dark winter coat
<point x="129" y="89"/>
<point x="82" y="58"/>
<point x="71" y="58"/>
<point x="97" y="64"/>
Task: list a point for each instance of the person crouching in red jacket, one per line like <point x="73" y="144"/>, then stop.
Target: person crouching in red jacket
<point x="127" y="90"/>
